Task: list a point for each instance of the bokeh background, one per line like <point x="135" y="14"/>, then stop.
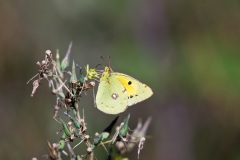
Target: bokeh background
<point x="187" y="51"/>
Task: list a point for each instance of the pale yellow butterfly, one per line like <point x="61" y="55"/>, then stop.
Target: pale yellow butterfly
<point x="117" y="91"/>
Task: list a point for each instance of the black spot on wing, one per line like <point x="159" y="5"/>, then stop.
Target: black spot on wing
<point x="131" y="96"/>
<point x="129" y="82"/>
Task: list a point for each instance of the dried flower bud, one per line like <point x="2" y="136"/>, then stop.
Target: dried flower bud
<point x="39" y="64"/>
<point x="89" y="150"/>
<point x="69" y="124"/>
<point x="48" y="52"/>
<point x="86" y="136"/>
<point x="35" y="86"/>
<point x="92" y="83"/>
<point x="43" y="62"/>
<point x="96" y="134"/>
<point x="140" y="145"/>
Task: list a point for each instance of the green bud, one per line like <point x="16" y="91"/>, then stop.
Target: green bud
<point x="63" y="136"/>
<point x="79" y="158"/>
<point x="65" y="128"/>
<point x="124" y="129"/>
<point x="105" y="136"/>
<point x="61" y="145"/>
<point x="101" y="137"/>
<point x="74" y="111"/>
<point x="75" y="122"/>
<point x="97" y="139"/>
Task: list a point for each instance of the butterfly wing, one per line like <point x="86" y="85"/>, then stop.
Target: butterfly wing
<point x="111" y="96"/>
<point x="136" y="90"/>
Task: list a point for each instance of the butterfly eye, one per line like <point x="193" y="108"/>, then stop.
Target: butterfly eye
<point x="129" y="82"/>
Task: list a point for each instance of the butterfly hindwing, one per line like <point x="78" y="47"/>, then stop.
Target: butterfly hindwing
<point x="111" y="97"/>
<point x="136" y="90"/>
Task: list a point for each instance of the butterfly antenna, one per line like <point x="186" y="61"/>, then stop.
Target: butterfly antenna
<point x="98" y="65"/>
<point x="106" y="61"/>
<point x="109" y="62"/>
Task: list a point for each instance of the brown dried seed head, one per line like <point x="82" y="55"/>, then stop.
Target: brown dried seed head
<point x="96" y="134"/>
<point x="38" y="63"/>
<point x="89" y="150"/>
<point x="48" y="52"/>
<point x="43" y="62"/>
<point x="92" y="83"/>
<point x="87" y="137"/>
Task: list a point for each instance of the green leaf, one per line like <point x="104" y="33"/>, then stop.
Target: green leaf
<point x="73" y="78"/>
<point x="58" y="60"/>
<point x="65" y="61"/>
<point x="81" y="77"/>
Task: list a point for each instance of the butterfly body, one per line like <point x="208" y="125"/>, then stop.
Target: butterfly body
<point x="117" y="91"/>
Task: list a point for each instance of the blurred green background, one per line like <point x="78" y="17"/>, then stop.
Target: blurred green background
<point x="186" y="51"/>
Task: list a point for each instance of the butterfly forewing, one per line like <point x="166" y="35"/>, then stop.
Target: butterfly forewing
<point x="136" y="90"/>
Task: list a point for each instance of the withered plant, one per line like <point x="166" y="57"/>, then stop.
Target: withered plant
<point x="68" y="89"/>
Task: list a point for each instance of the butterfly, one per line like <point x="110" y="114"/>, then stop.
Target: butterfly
<point x="117" y="91"/>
